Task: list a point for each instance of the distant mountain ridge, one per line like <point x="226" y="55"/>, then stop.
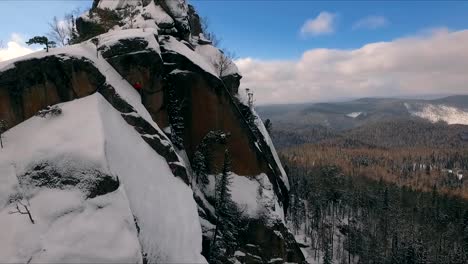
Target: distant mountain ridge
<point x="373" y="122"/>
<point x="351" y="114"/>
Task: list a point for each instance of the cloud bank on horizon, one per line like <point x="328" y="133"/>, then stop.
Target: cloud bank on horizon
<point x="15" y="47"/>
<point x="433" y="62"/>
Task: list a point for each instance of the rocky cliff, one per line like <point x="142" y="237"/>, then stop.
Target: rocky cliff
<point x="113" y="152"/>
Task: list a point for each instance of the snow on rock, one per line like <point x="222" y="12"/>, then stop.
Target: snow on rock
<point x="117" y="4"/>
<point x="158" y="14"/>
<point x="49" y="139"/>
<point x="215" y="56"/>
<point x="266" y="136"/>
<point x="114" y="37"/>
<point x="172" y="44"/>
<point x="69" y="227"/>
<point x="245" y="194"/>
<point x="177" y="8"/>
<point x="436" y="113"/>
<point x="162" y="203"/>
<point x="254" y="196"/>
<point x="354" y="114"/>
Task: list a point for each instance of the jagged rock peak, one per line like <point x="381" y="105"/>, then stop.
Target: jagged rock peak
<point x="173" y="17"/>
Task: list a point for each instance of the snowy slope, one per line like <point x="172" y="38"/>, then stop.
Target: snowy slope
<point x="92" y="132"/>
<point x="68" y="227"/>
<point x="162" y="203"/>
<point x="435" y="113"/>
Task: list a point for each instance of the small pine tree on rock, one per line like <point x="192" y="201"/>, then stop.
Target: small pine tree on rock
<point x="42" y="40"/>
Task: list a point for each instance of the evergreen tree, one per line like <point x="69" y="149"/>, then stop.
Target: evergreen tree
<point x="327" y="258"/>
<point x="199" y="167"/>
<point x="174" y="109"/>
<point x="224" y="241"/>
<point x="42" y="40"/>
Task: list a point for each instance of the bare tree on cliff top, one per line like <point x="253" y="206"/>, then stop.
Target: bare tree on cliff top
<point x="223" y="62"/>
<point x="211" y="36"/>
<point x="59" y="31"/>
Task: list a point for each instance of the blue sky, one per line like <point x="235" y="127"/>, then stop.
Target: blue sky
<point x="271" y="29"/>
<point x="303" y="51"/>
<point x="276" y="24"/>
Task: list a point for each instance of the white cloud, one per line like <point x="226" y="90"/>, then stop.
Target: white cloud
<point x="426" y="64"/>
<point x="15" y="47"/>
<point x="371" y="22"/>
<point x="323" y="24"/>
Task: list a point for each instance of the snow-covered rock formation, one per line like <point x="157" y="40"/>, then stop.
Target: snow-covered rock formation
<point x="109" y="176"/>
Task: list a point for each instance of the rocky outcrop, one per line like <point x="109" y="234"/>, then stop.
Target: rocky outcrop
<point x="92" y="182"/>
<point x="269" y="244"/>
<point x="183" y="95"/>
<point x="136" y="63"/>
<point x="36" y="83"/>
<point x="194" y="21"/>
<point x="149" y="134"/>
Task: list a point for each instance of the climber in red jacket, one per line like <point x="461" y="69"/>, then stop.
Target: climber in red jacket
<point x="137" y="87"/>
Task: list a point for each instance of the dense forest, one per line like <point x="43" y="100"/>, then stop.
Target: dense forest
<point x="342" y="218"/>
<point x="420" y="168"/>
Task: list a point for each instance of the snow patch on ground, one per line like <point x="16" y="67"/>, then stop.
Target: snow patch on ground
<point x="435" y="113"/>
<point x="354" y="114"/>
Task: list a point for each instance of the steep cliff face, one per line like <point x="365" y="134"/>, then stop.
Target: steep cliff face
<point x="185" y="97"/>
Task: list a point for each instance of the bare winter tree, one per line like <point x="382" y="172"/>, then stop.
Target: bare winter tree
<point x="59" y="31"/>
<point x="223" y="61"/>
<point x="23" y="209"/>
<point x="211" y="36"/>
<point x="63" y="31"/>
<point x="131" y="12"/>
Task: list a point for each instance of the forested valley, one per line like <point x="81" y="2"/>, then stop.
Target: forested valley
<point x="394" y="191"/>
<point x="344" y="218"/>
